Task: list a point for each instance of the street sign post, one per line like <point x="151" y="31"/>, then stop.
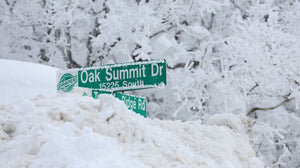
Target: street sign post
<point x="115" y="77"/>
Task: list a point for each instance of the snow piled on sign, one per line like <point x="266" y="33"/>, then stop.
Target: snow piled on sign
<point x="75" y="131"/>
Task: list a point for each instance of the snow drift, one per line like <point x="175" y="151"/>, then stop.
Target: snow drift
<point x="75" y="131"/>
<point x="21" y="80"/>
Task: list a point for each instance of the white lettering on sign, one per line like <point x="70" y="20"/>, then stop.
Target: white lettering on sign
<point x="91" y="76"/>
<point x="81" y="76"/>
<point x="121" y="74"/>
<point x="142" y="104"/>
<point x="155" y="69"/>
<point x="96" y="94"/>
<point x="133" y="84"/>
<point x="108" y="73"/>
<point x="131" y="104"/>
<point x="97" y="77"/>
<point x="153" y="73"/>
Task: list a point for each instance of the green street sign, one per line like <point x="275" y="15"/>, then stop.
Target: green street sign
<point x="109" y="79"/>
<point x="115" y="77"/>
<point x="134" y="103"/>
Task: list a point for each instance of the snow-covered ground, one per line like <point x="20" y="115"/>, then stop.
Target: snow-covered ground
<point x="74" y="131"/>
<point x="19" y="80"/>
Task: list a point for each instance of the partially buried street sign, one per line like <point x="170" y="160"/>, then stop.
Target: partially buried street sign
<point x="115" y="77"/>
<point x="134" y="103"/>
<point x="109" y="79"/>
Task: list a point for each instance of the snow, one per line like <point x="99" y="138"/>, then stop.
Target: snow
<point x="75" y="131"/>
<point x="20" y="80"/>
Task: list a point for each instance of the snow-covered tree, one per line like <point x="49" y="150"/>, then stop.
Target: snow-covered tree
<point x="223" y="56"/>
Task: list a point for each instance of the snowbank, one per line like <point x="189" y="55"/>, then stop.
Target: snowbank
<point x="21" y="80"/>
<point x="74" y="131"/>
